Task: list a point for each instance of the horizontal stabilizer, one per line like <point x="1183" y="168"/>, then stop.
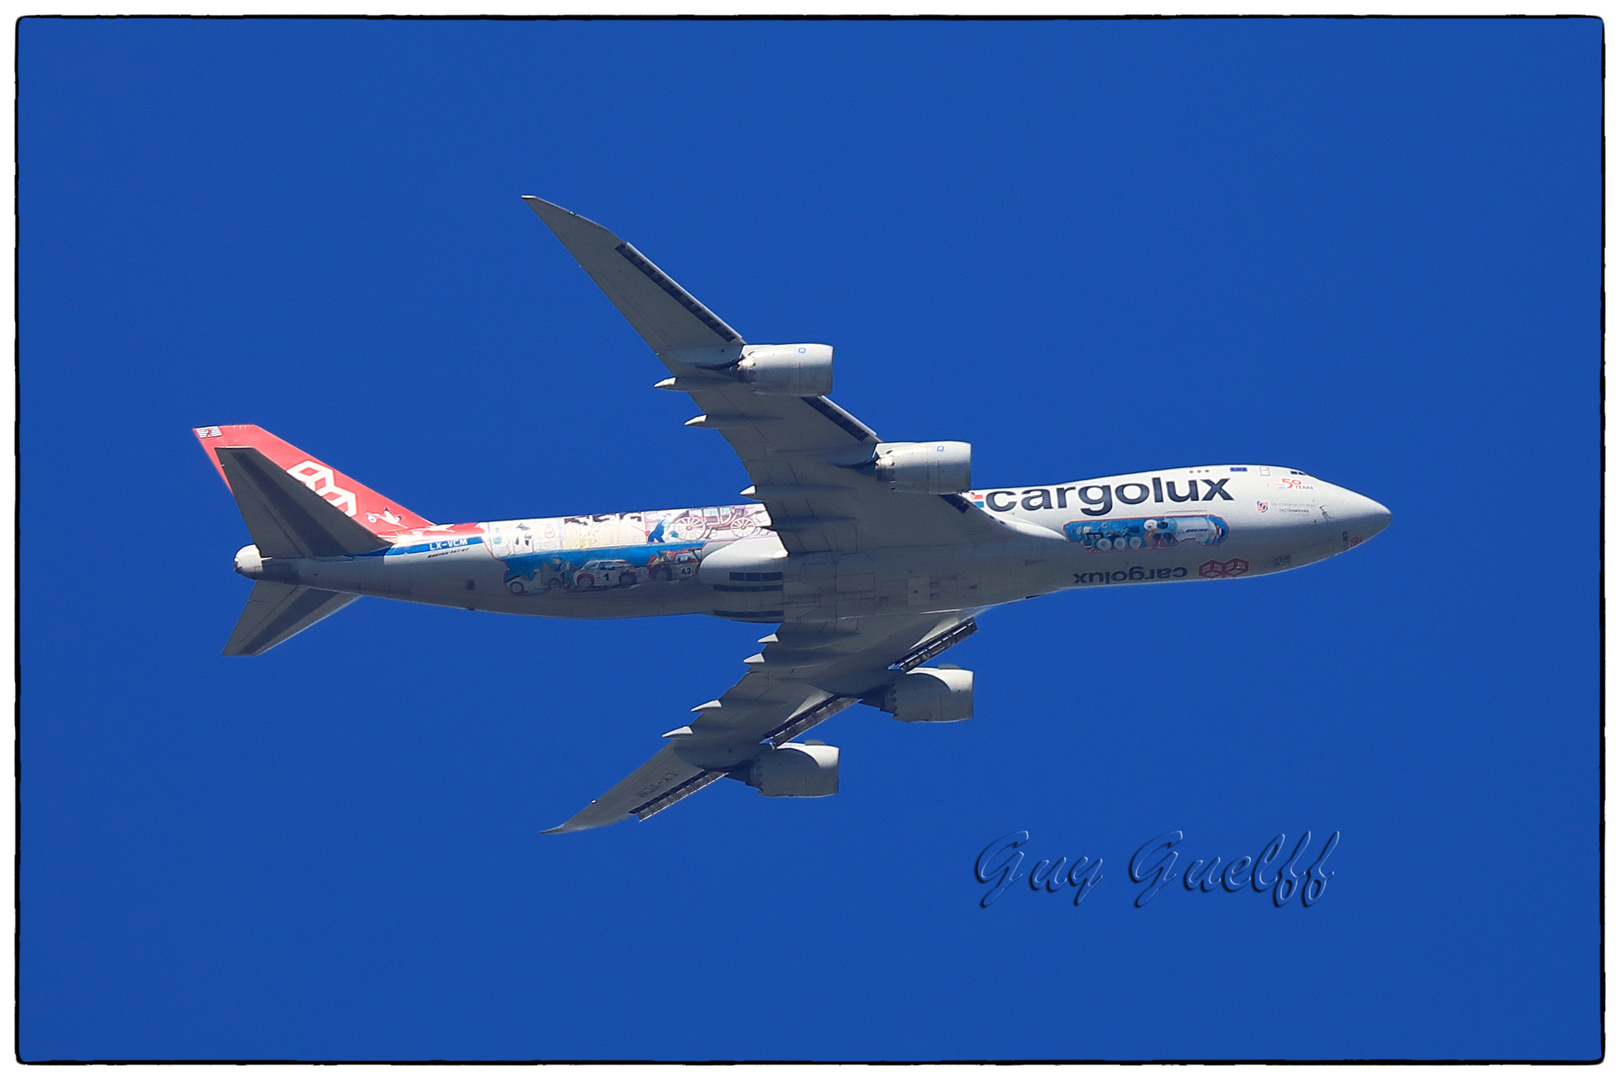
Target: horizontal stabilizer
<point x="276" y="612"/>
<point x="286" y="519"/>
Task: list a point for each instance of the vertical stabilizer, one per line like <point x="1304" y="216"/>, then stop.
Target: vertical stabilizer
<point x="286" y="519"/>
<point x="376" y="513"/>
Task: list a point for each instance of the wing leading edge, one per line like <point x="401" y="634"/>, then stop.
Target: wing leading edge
<point x="803" y="454"/>
<point x="804" y="676"/>
<point x="808" y="460"/>
<point x="666" y="315"/>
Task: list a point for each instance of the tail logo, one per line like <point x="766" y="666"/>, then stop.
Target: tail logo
<point x="318" y="478"/>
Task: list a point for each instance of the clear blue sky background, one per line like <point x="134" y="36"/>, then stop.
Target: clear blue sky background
<point x="1365" y="249"/>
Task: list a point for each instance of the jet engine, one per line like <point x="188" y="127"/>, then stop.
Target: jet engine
<point x="936" y="468"/>
<point x="800" y="770"/>
<point x="928" y="695"/>
<point x="798" y="370"/>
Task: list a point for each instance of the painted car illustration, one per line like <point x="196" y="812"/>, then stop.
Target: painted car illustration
<point x="606" y="573"/>
<point x="1151" y="534"/>
<point x="673" y="565"/>
<point x="595" y="569"/>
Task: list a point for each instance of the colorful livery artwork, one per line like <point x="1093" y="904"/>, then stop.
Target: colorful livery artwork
<point x="1146" y="534"/>
<point x="881" y="555"/>
<point x="609" y="551"/>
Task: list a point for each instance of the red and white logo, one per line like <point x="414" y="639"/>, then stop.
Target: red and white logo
<point x="318" y="478"/>
<point x="1230" y="568"/>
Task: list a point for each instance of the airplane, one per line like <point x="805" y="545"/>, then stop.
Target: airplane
<point x="867" y="558"/>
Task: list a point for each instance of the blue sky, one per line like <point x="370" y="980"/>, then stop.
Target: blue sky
<point x="1365" y="249"/>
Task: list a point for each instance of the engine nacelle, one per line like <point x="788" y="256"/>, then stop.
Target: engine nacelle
<point x="798" y="370"/>
<point x="796" y="770"/>
<point x="936" y="468"/>
<point x="930" y="696"/>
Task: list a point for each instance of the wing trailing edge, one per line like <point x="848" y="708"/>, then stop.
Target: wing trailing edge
<point x="668" y="777"/>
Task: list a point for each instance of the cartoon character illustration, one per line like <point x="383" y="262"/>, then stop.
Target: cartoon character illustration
<point x="1152" y="534"/>
<point x="527" y="574"/>
<point x="386" y="515"/>
<point x="610" y="551"/>
<point x="507" y="539"/>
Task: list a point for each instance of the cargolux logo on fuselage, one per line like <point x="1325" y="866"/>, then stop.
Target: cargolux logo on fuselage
<point x="1098" y="499"/>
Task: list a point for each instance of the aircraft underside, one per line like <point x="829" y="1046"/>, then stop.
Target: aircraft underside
<point x="869" y="558"/>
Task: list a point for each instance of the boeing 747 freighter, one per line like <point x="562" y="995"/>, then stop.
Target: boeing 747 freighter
<point x="866" y="558"/>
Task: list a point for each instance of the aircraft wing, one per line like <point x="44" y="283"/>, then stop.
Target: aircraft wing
<point x="798" y="451"/>
<point x="806" y="673"/>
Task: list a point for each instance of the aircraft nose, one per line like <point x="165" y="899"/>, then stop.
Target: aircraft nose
<point x="1368" y="518"/>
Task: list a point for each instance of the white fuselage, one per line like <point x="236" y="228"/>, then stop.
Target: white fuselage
<point x="1193" y="524"/>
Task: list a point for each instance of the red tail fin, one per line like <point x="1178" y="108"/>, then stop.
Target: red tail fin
<point x="376" y="513"/>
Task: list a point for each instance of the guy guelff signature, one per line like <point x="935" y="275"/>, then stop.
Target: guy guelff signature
<point x="1154" y="864"/>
